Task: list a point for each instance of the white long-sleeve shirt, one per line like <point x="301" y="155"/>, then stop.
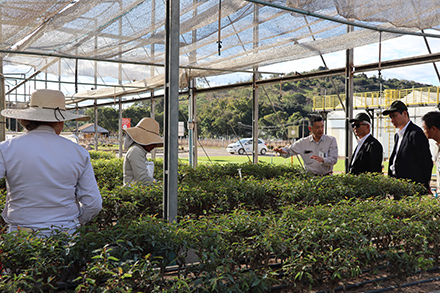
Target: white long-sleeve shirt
<point x="135" y="169"/>
<point x="50" y="181"/>
<point x="306" y="147"/>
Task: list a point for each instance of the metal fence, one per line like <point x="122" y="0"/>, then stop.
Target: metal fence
<point x="223" y="143"/>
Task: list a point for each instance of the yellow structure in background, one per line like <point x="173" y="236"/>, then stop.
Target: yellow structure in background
<point x="425" y="96"/>
<point x="414" y="97"/>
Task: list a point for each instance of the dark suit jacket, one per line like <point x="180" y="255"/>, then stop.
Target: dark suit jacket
<point x="369" y="157"/>
<point x="414" y="160"/>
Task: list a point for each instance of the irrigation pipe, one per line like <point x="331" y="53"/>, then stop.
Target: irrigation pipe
<point x="404" y="285"/>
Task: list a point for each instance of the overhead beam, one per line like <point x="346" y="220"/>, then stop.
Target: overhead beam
<point x="422" y="59"/>
<point x="126" y="61"/>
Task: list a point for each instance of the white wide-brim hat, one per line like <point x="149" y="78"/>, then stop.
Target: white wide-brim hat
<point x="146" y="132"/>
<point x="45" y="106"/>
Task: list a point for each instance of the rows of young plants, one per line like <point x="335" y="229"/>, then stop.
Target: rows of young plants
<point x="241" y="228"/>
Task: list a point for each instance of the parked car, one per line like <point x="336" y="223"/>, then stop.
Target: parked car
<point x="245" y="145"/>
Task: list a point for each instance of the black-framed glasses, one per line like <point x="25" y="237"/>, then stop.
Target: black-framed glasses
<point x="357" y="125"/>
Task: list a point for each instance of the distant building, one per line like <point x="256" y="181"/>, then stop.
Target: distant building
<point x="88" y="130"/>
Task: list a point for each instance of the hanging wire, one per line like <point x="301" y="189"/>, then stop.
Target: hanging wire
<point x="219" y="42"/>
<point x="276" y="113"/>
<point x="235" y="133"/>
<point x="380" y="54"/>
<point x="325" y="65"/>
<point x="429" y="51"/>
<point x="200" y="144"/>
<point x="380" y="63"/>
<point x="229" y="123"/>
<point x="278" y="117"/>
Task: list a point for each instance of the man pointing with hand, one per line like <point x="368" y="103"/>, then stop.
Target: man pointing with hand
<point x="318" y="151"/>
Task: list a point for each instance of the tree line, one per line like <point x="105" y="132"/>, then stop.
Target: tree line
<point x="229" y="113"/>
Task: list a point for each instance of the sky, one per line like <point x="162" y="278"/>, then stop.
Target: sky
<point x="401" y="47"/>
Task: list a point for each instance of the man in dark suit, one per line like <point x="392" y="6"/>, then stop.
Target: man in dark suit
<point x="367" y="156"/>
<point x="411" y="157"/>
<point x="431" y="128"/>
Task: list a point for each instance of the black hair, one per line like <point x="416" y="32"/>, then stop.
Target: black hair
<point x="31" y="125"/>
<point x="314" y="118"/>
<point x="432" y="119"/>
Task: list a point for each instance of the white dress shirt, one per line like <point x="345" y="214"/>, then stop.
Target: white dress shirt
<point x="306" y="147"/>
<point x="50" y="181"/>
<point x="359" y="145"/>
<point x="400" y="134"/>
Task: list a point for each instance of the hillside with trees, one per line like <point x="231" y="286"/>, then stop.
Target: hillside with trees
<point x="229" y="113"/>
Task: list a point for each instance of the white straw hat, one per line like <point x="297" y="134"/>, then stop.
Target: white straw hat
<point x="46" y="106"/>
<point x="146" y="132"/>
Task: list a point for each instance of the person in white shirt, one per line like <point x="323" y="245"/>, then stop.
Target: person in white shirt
<point x="140" y="140"/>
<point x="368" y="154"/>
<point x="50" y="180"/>
<point x="431" y="128"/>
<point x="318" y="151"/>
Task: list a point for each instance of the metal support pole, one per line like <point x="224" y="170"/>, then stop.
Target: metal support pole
<point x="255" y="90"/>
<point x="76" y="121"/>
<point x="171" y="110"/>
<point x="95" y="64"/>
<point x="348" y="104"/>
<point x="324" y="115"/>
<point x="59" y="75"/>
<point x="192" y="125"/>
<point x="152" y="69"/>
<point x="45" y="73"/>
<point x="192" y="111"/>
<point x="96" y="124"/>
<point x="76" y="75"/>
<point x="24" y="90"/>
<point x="370" y="113"/>
<point x="120" y="129"/>
<point x="120" y="48"/>
<point x="153" y="116"/>
<point x="16" y="106"/>
<point x="8" y="103"/>
<point x="76" y="87"/>
<point x="255" y="119"/>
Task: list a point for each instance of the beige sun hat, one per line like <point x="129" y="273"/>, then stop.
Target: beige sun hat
<point x="146" y="132"/>
<point x="46" y="106"/>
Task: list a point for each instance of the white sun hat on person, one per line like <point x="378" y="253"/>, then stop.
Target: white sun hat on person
<point x="45" y="106"/>
<point x="146" y="132"/>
